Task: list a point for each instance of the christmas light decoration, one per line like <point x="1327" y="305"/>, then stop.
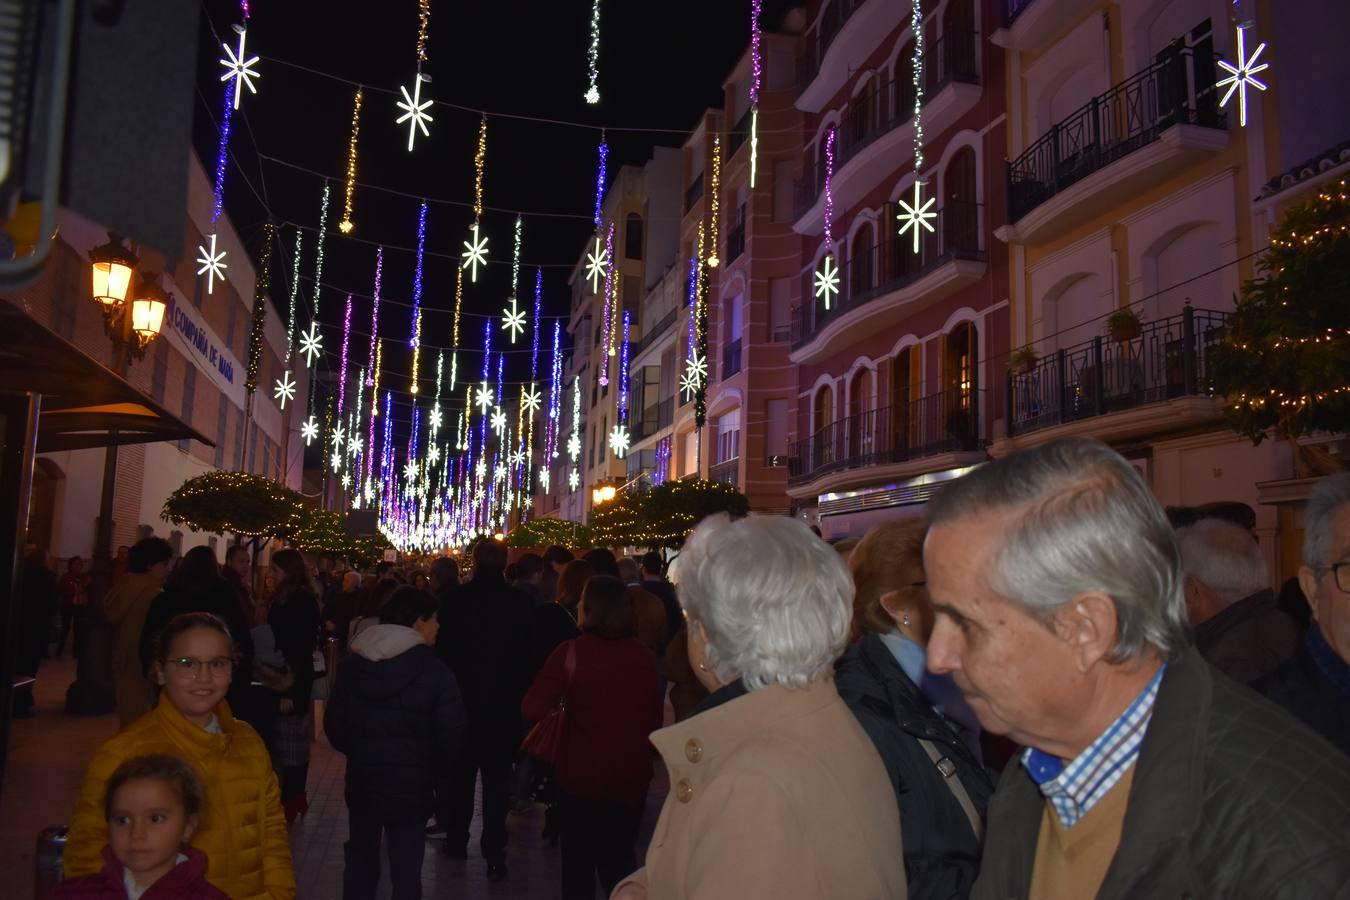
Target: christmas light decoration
<point x="454" y="329"/>
<point x="416" y="340"/>
<point x="915" y="216"/>
<point x="309" y="430"/>
<point x="530" y="400"/>
<point x="607" y="310"/>
<point x="342" y="365"/>
<point x="346" y="225"/>
<point x="415" y="111"/>
<point x="475" y="249"/>
<point x="618" y="441"/>
<point x="239" y="67"/>
<point x="827" y="280"/>
<point x="714" y="194"/>
<point x="375" y="319"/>
<point x="1242" y="76"/>
<point x="623" y="371"/>
<point x="514" y="319"/>
<point x="554" y="396"/>
<point x="483" y="398"/>
<point x="213" y="265"/>
<point x="311" y="344"/>
<point x="756" y="73"/>
<point x="829" y="188"/>
<point x="597" y="265"/>
<point x="260" y="288"/>
<point x="285" y="389"/>
<point x="475" y="252"/>
<point x="498" y="420"/>
<point x="593" y="55"/>
<point x="600" y="178"/>
<point x="695" y="373"/>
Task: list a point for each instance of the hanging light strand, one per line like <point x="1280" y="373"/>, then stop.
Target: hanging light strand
<point x="600" y="177"/>
<point x="346" y="225"/>
<point x="295" y="292"/>
<point x="342" y="366"/>
<point x="756" y="75"/>
<point x="479" y="163"/>
<point x="416" y="342"/>
<point x="375" y="313"/>
<point x="593" y="55"/>
<point x="829" y="190"/>
<point x="715" y="192"/>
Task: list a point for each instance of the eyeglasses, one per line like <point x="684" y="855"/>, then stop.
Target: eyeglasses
<point x="1340" y="573"/>
<point x="220" y="667"/>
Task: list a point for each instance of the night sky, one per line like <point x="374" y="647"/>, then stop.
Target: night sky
<point x="660" y="65"/>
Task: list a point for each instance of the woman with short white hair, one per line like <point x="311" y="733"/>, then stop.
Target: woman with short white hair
<point x="775" y="788"/>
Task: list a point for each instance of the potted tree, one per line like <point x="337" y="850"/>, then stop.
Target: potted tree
<point x="1123" y="325"/>
<point x="1022" y="361"/>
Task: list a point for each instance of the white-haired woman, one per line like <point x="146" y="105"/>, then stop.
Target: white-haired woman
<point x="776" y="791"/>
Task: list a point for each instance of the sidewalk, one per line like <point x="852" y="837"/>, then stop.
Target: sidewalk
<point x="50" y="751"/>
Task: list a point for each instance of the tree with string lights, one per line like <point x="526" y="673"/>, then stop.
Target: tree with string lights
<point x="250" y="506"/>
<point x="545" y="532"/>
<point x="1285" y="358"/>
<point x="662" y="517"/>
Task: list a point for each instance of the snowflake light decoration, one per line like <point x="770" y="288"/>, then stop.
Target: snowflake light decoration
<point x="518" y="458"/>
<point x="240" y="68"/>
<point x="531" y="401"/>
<point x="482" y="398"/>
<point x="435" y="419"/>
<point x="1240" y="77"/>
<point x="335" y="460"/>
<point x="354" y="445"/>
<point x="311" y="344"/>
<point x="415" y="111"/>
<point x="573" y="479"/>
<point x="480" y="470"/>
<point x="410" y="471"/>
<point x="346" y="480"/>
<point x="618" y="441"/>
<point x="309" y="431"/>
<point x="695" y="371"/>
<point x="339" y="435"/>
<point x="597" y="263"/>
<point x="827" y="280"/>
<point x="499" y="473"/>
<point x="514" y="320"/>
<point x="285" y="389"/>
<point x="433" y="454"/>
<point x="475" y="252"/>
<point x="543" y="478"/>
<point x="498" y="421"/>
<point x="212" y="264"/>
<point x="917" y="215"/>
<point x="574" y="446"/>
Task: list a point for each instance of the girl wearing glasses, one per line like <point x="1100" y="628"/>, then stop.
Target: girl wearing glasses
<point x="243" y="831"/>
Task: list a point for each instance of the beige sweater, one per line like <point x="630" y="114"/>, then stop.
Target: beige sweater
<point x="1071" y="863"/>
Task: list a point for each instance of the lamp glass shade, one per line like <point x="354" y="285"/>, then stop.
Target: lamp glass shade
<point x="147" y="317"/>
<point x="111" y="280"/>
<point x="607" y="493"/>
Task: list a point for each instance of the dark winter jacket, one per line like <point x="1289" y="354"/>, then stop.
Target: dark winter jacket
<point x="489" y="654"/>
<point x="217" y="597"/>
<point x="1230" y="798"/>
<point x="942" y="853"/>
<point x="395" y="712"/>
<point x="550" y="625"/>
<point x="1248" y="639"/>
<point x="295" y="625"/>
<point x="185" y="881"/>
<point x="665" y="592"/>
<point x="1314" y="686"/>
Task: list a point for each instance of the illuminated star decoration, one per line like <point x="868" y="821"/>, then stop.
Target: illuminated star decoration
<point x="475" y="253"/>
<point x="336" y="460"/>
<point x="311" y="344"/>
<point x="499" y="472"/>
<point x="309" y="431"/>
<point x="415" y="111"/>
<point x="518" y="458"/>
<point x="573" y="446"/>
<point x="1241" y="76"/>
<point x="543" y="478"/>
<point x="338" y="436"/>
<point x="435" y="419"/>
<point x="597" y="261"/>
<point x="514" y="320"/>
<point x="433" y="453"/>
<point x="618" y="441"/>
<point x="213" y="265"/>
<point x="354" y="445"/>
<point x="498" y="421"/>
<point x="480" y="470"/>
<point x="410" y="471"/>
<point x="695" y="371"/>
<point x="573" y="479"/>
<point x="346" y="480"/>
<point x="827" y="280"/>
<point x="531" y="401"/>
<point x="285" y="389"/>
<point x="483" y="398"/>
<point x="916" y="215"/>
<point x="239" y="68"/>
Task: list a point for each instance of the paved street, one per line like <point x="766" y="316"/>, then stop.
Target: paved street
<point x="49" y="753"/>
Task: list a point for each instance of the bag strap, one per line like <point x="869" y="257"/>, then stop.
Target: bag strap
<point x="953" y="781"/>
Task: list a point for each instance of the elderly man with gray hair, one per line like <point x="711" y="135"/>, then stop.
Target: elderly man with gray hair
<point x="1239" y="630"/>
<point x="1057" y="588"/>
<point x="1315" y="684"/>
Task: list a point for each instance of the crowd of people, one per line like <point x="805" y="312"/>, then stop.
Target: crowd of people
<point x="1046" y="686"/>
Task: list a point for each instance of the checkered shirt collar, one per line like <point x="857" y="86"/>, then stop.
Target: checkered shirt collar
<point x="1075" y="787"/>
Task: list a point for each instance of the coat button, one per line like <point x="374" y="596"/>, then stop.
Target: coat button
<point x="693" y="750"/>
<point x="684" y="791"/>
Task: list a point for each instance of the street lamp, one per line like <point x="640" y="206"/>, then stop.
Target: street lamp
<point x="603" y="494"/>
<point x="147" y="310"/>
<point x="112" y="268"/>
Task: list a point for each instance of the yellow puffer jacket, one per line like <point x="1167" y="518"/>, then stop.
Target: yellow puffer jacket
<point x="243" y="831"/>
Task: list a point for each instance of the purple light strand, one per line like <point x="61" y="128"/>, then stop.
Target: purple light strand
<point x="375" y="316"/>
<point x="693" y="299"/>
<point x="538" y="301"/>
<point x="342" y="366"/>
<point x="417" y="275"/>
<point x="756" y="62"/>
<point x="829" y="193"/>
<point x="623" y="372"/>
<point x="554" y="397"/>
<point x="222" y="149"/>
<point x="600" y="179"/>
<point x="608" y="310"/>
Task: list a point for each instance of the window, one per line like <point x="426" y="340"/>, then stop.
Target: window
<point x="729" y="436"/>
<point x="782" y="190"/>
<point x="737" y="319"/>
<point x="824" y="414"/>
<point x="960" y="213"/>
<point x="780" y="310"/>
<point x="960" y="369"/>
<point x="860" y="262"/>
<point x="632" y="237"/>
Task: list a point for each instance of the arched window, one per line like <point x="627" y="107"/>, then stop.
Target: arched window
<point x="632" y="236"/>
<point x="861" y="263"/>
<point x="859" y="404"/>
<point x="824" y="409"/>
<point x="960" y="370"/>
<point x="902" y="387"/>
<point x="903" y="95"/>
<point x="958" y="39"/>
<point x="960" y="210"/>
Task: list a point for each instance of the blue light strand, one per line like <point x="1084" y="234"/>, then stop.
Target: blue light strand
<point x="600" y="179"/>
<point x="538" y="302"/>
<point x="623" y="371"/>
<point x="417" y="274"/>
<point x="222" y="151"/>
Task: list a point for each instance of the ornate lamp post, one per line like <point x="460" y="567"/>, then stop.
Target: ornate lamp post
<point x="132" y="320"/>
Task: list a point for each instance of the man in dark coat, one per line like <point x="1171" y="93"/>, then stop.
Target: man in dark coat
<point x="1315" y="684"/>
<point x="394" y="712"/>
<point x="556" y="557"/>
<point x="1057" y="585"/>
<point x="1239" y="630"/>
<point x="491" y="661"/>
<point x="37" y="607"/>
<point x="654" y="582"/>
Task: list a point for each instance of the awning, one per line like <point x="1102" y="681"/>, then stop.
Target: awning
<point x="83" y="403"/>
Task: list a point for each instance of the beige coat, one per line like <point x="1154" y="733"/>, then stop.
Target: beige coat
<point x="777" y="795"/>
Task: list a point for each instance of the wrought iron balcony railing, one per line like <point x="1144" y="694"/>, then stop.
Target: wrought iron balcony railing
<point x="1169" y="358"/>
<point x="817" y="42"/>
<point x="1129" y="116"/>
<point x="945" y="422"/>
<point x="655" y="332"/>
<point x="727" y="472"/>
<point x="735" y="242"/>
<point x="731" y="359"/>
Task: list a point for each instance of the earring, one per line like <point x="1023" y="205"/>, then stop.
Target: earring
<point x="904" y="620"/>
<point x="703" y="667"/>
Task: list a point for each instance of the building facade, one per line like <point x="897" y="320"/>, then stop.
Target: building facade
<point x="196" y="368"/>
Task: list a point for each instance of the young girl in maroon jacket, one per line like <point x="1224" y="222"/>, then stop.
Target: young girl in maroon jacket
<point x="153" y="805"/>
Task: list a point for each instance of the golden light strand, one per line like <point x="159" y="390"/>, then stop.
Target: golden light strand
<point x="454" y="330"/>
<point x="423" y="26"/>
<point x="417" y="350"/>
<point x="716" y="189"/>
<point x="479" y="161"/>
<point x="346" y="225"/>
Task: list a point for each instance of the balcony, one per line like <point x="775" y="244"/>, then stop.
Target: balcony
<point x="1169" y="360"/>
<point x="653" y="419"/>
<point x="694" y="193"/>
<point x="888" y="282"/>
<point x="740" y="135"/>
<point x="1032" y="25"/>
<point x="728" y="472"/>
<point x="735" y="242"/>
<point x="874" y="125"/>
<point x="845" y="35"/>
<point x="731" y="359"/>
<point x="1132" y="137"/>
<point x="654" y="333"/>
<point x="947" y="422"/>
